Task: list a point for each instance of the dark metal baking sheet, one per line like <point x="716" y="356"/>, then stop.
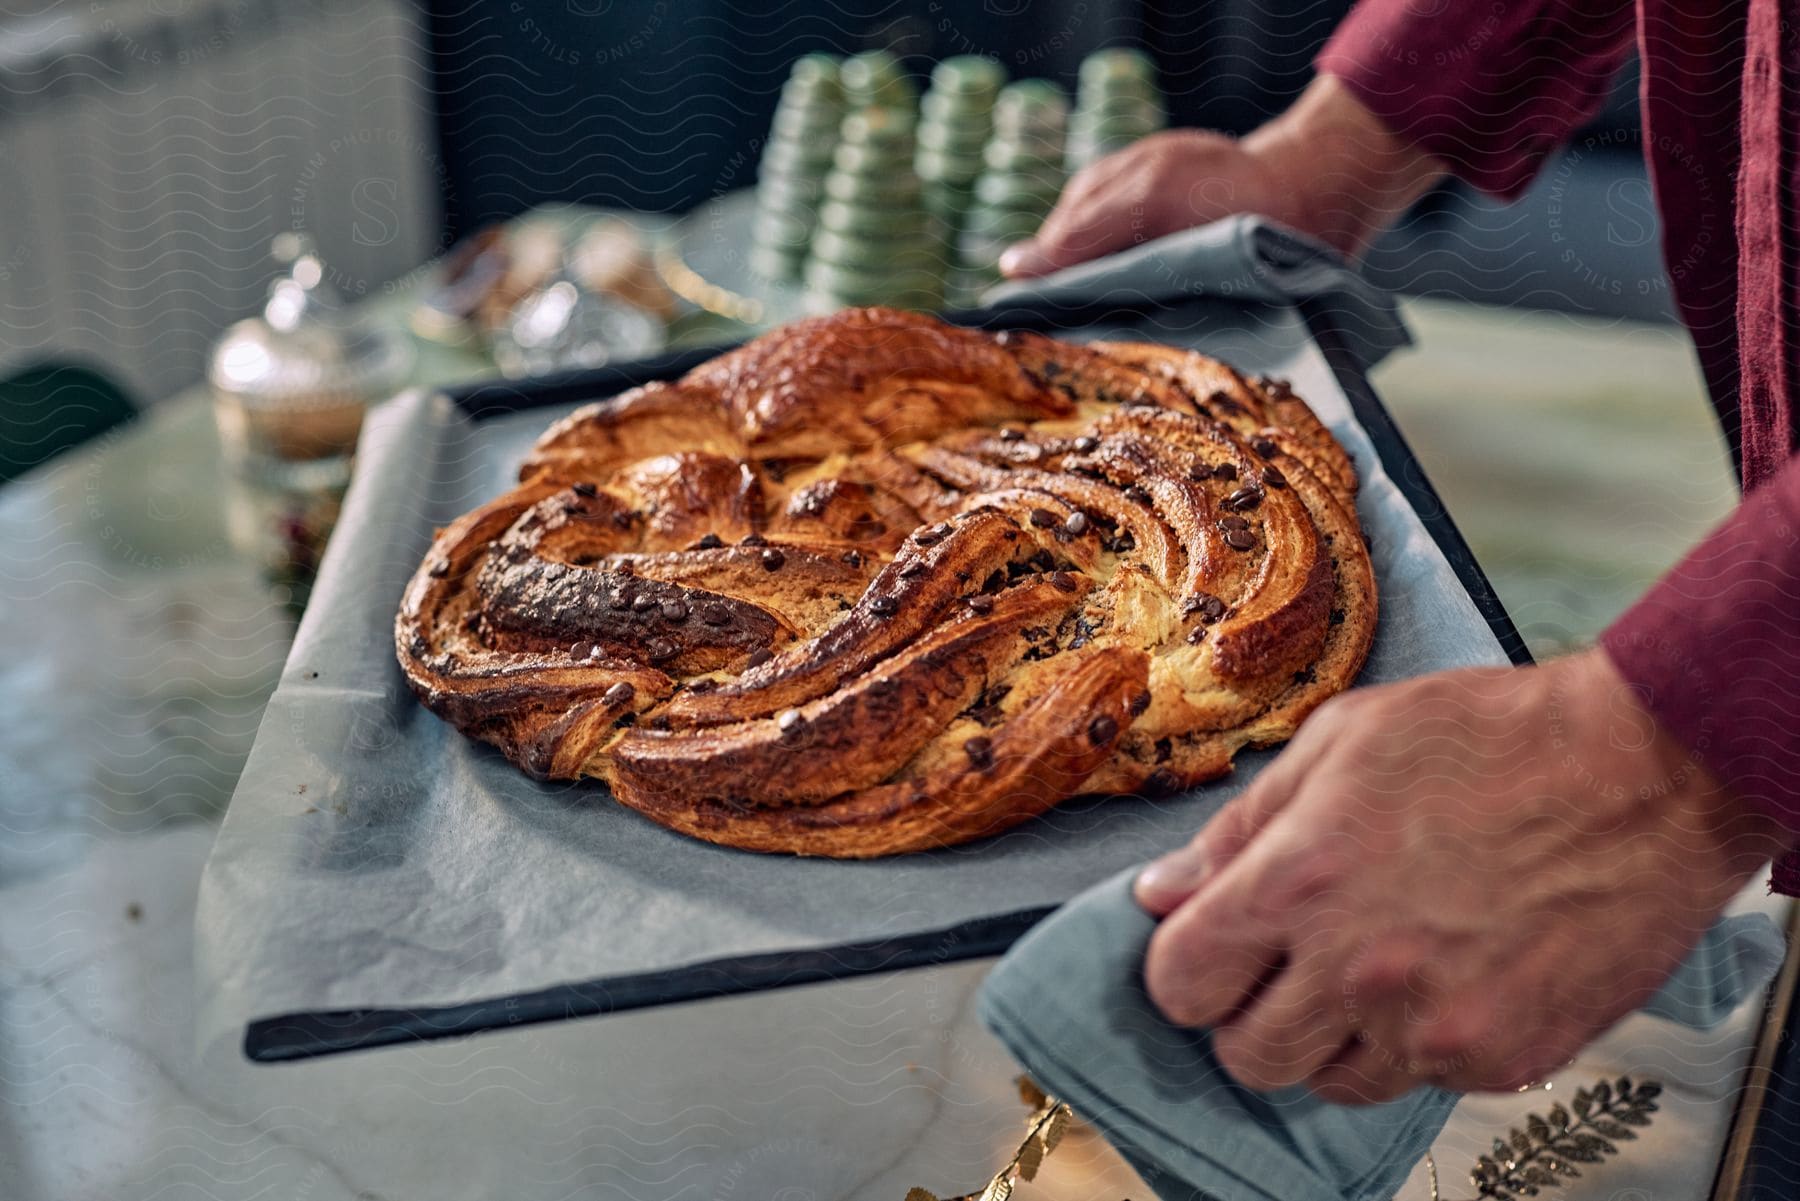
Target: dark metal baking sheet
<point x="379" y="878"/>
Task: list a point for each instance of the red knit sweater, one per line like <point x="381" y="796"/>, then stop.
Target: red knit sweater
<point x="1492" y="88"/>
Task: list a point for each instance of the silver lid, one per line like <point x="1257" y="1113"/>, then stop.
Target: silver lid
<point x="306" y="348"/>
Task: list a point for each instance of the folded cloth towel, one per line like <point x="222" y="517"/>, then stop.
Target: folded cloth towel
<point x="1069" y="1002"/>
<point x="1243" y="258"/>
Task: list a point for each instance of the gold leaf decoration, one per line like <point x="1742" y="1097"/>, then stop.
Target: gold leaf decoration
<point x="1044" y="1129"/>
<point x="1031" y="1158"/>
<point x="1543" y="1155"/>
<point x="1030" y="1093"/>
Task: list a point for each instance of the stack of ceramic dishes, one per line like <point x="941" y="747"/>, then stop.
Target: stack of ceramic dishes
<point x="875" y="79"/>
<point x="875" y="243"/>
<point x="791" y="179"/>
<point x="1117" y="103"/>
<point x="957" y="117"/>
<point x="1022" y="176"/>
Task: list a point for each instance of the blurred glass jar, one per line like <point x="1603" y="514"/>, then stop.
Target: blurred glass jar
<point x="290" y="389"/>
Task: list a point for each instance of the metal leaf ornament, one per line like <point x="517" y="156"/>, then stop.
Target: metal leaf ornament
<point x="1048" y="1120"/>
<point x="1544" y="1154"/>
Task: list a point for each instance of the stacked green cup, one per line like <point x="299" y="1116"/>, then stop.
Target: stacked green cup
<point x="1117" y="102"/>
<point x="1023" y="173"/>
<point x="875" y="244"/>
<point x="875" y="79"/>
<point x="791" y="178"/>
<point x="957" y="119"/>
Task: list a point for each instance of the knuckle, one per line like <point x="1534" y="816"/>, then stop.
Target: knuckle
<point x="1169" y="985"/>
<point x="1317" y="872"/>
<point x="1245" y="1057"/>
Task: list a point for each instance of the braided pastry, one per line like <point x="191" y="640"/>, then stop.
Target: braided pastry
<point x="872" y="583"/>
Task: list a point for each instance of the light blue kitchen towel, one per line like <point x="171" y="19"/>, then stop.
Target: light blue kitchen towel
<point x="1245" y="257"/>
<point x="1069" y="1002"/>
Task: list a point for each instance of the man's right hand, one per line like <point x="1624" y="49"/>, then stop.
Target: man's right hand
<point x="1327" y="167"/>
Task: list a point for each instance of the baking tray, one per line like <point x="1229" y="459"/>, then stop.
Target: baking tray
<point x="305" y="946"/>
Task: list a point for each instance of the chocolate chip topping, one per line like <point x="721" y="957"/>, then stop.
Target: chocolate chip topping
<point x="1209" y="607"/>
<point x="1102" y="729"/>
<point x="642" y="603"/>
<point x="759" y="656"/>
<point x="1200" y="472"/>
<point x="581" y="650"/>
<point x="1137" y="494"/>
<point x="753" y="539"/>
<point x="1232" y="521"/>
<point x="1062" y="581"/>
<point x="1162" y="780"/>
<point x="1010" y="434"/>
<point x="1087" y="444"/>
<point x="1225" y="471"/>
<point x="917" y="567"/>
<point x="772" y="559"/>
<point x="716" y="614"/>
<point x="1139" y="703"/>
<point x="1274" y="477"/>
<point x="1043" y="519"/>
<point x="586" y="489"/>
<point x="710" y="542"/>
<point x="980" y="750"/>
<point x="619" y="694"/>
<point x="852" y="557"/>
<point x="981" y="603"/>
<point x="674" y="609"/>
<point x="1075" y="524"/>
<point x="661" y="650"/>
<point x="1240" y="539"/>
<point x="884" y="606"/>
<point x="931" y="534"/>
<point x="1264" y="447"/>
<point x="1244" y="498"/>
<point x="439" y="569"/>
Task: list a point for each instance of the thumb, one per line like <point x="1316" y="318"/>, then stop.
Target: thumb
<point x="1167" y="882"/>
<point x="1083" y="226"/>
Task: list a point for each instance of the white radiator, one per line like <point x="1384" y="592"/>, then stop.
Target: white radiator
<point x="151" y="149"/>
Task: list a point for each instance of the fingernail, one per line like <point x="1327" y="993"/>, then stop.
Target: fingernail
<point x="1023" y="259"/>
<point x="1171" y="880"/>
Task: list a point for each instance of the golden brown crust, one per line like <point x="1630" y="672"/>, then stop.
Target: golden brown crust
<point x="872" y="583"/>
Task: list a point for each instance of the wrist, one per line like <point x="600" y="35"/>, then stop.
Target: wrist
<point x="1348" y="176"/>
<point x="1664" y="771"/>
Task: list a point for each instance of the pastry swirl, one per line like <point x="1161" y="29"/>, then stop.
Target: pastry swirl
<point x="872" y="583"/>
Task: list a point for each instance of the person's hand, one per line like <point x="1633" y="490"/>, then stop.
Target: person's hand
<point x="1327" y="167"/>
<point x="1460" y="879"/>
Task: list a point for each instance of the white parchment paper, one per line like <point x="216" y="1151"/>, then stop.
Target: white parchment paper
<point x="373" y="859"/>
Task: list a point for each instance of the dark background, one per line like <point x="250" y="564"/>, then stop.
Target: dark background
<point x="659" y="105"/>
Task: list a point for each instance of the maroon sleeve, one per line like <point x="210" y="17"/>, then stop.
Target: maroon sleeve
<point x="1488" y="86"/>
<point x="1714" y="648"/>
